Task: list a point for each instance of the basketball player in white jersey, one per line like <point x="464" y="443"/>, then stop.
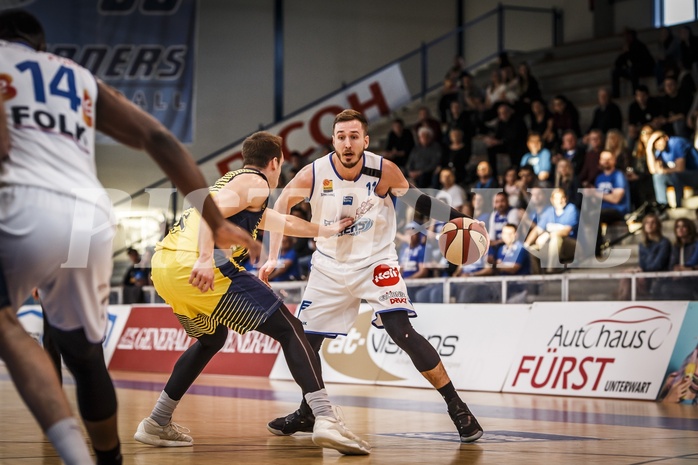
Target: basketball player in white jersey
<point x="361" y="263"/>
<point x="56" y="227"/>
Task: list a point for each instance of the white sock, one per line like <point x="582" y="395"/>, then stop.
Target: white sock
<point x="163" y="410"/>
<point x="320" y="404"/>
<point x="66" y="437"/>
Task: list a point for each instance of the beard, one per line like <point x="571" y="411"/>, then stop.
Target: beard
<point x="350" y="165"/>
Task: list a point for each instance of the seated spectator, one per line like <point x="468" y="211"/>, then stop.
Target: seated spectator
<point x="675" y="108"/>
<point x="449" y="93"/>
<point x="465" y="292"/>
<point x="634" y="62"/>
<point x="572" y="151"/>
<point x="538" y="158"/>
<point x="508" y="140"/>
<point x="672" y="161"/>
<point x="287" y="268"/>
<point x="450" y="192"/>
<point x="400" y="143"/>
<point x="426" y="120"/>
<point x="538" y="203"/>
<point x="424" y="159"/>
<point x="637" y="172"/>
<point x="607" y="114"/>
<point x="541" y="121"/>
<point x="485" y="179"/>
<point x="495" y="221"/>
<point x="684" y="257"/>
<point x="618" y="146"/>
<point x="643" y="110"/>
<point x="566" y="180"/>
<point x="411" y="257"/>
<point x="529" y="90"/>
<point x="513" y="189"/>
<point x="304" y="246"/>
<point x="457" y="155"/>
<point x="470" y="96"/>
<point x="526" y="181"/>
<point x="137" y="276"/>
<point x="654" y="251"/>
<point x="511" y="259"/>
<point x="554" y="234"/>
<point x="565" y="116"/>
<point x="612" y="188"/>
<point x="591" y="166"/>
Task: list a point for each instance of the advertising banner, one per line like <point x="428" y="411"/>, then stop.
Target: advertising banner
<point x="596" y="349"/>
<point x="144" y="48"/>
<point x="152" y="340"/>
<point x="311" y="129"/>
<point x="475" y="343"/>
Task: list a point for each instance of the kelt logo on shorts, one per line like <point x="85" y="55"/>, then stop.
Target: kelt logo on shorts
<point x="384" y="275"/>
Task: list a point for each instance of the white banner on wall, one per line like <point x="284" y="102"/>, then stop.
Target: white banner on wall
<point x="596" y="349"/>
<point x="475" y="342"/>
<point x="377" y="96"/>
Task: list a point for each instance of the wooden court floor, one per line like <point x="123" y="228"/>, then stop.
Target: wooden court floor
<point x="227" y="418"/>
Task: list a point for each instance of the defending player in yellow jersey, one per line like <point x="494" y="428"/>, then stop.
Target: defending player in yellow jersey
<point x="210" y="292"/>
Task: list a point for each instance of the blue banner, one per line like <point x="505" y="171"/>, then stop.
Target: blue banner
<point x="144" y="48"/>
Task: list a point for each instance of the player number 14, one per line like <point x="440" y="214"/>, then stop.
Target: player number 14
<point x="62" y="84"/>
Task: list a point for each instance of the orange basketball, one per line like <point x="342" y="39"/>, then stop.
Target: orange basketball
<point x="463" y="241"/>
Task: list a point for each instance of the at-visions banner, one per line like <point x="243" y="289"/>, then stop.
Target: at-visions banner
<point x="596" y="349"/>
<point x="144" y="48"/>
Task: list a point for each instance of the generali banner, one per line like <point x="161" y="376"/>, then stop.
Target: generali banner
<point x="475" y="343"/>
<point x="596" y="349"/>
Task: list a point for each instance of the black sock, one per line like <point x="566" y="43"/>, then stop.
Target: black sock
<point x="448" y="392"/>
<point x="109" y="457"/>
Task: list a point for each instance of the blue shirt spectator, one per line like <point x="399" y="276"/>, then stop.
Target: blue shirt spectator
<point x="539" y="158"/>
<point x="610" y="181"/>
<point x="568" y="217"/>
<point x="287" y="269"/>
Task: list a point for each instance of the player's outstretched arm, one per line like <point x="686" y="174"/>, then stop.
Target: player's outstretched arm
<point x="126" y="123"/>
<point x="298" y="189"/>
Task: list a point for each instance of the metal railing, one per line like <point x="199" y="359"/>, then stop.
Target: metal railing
<point x="292" y="291"/>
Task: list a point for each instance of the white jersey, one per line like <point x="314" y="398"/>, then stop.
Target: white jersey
<point x="371" y="237"/>
<point x="49" y="105"/>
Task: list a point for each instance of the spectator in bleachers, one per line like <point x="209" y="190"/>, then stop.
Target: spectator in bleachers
<point x="634" y="62"/>
<point x="572" y="151"/>
<point x="470" y="96"/>
<point x="612" y="188"/>
<point x="567" y="181"/>
<point x="672" y="161"/>
<point x="684" y="253"/>
<point x="287" y="268"/>
<point x="426" y="120"/>
<point x="539" y="158"/>
<point x="464" y="292"/>
<point x="457" y="156"/>
<point x="411" y="257"/>
<point x="565" y="116"/>
<point x="541" y="121"/>
<point x="399" y="144"/>
<point x="136" y="277"/>
<point x="449" y="93"/>
<point x="618" y="146"/>
<point x="424" y="158"/>
<point x="669" y="52"/>
<point x="512" y="188"/>
<point x="637" y="172"/>
<point x="688" y="46"/>
<point x="485" y="178"/>
<point x="507" y="140"/>
<point x="644" y="109"/>
<point x="654" y="252"/>
<point x="591" y="167"/>
<point x="511" y="259"/>
<point x="684" y="80"/>
<point x="450" y="192"/>
<point x="495" y="221"/>
<point x="607" y="114"/>
<point x="529" y="89"/>
<point x="675" y="108"/>
<point x="554" y="234"/>
<point x="304" y="246"/>
<point x="495" y="94"/>
<point x="526" y="180"/>
<point x="537" y="204"/>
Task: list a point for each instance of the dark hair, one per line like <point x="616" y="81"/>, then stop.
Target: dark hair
<point x="691" y="226"/>
<point x="351" y="115"/>
<point x="642" y="88"/>
<point x="260" y="148"/>
<point x="19" y="25"/>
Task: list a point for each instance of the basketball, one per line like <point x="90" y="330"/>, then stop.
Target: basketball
<point x="463" y="241"/>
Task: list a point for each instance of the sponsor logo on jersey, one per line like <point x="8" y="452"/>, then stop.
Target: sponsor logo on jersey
<point x="327" y="187"/>
<point x="7" y="90"/>
<point x="365" y="206"/>
<point x="348" y="200"/>
<point x="394" y="297"/>
<point x="87" y="108"/>
<point x="357" y="228"/>
<point x="385" y="275"/>
<point x="304" y="304"/>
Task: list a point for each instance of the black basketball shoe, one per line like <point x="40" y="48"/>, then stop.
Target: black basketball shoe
<point x="468" y="427"/>
<point x="300" y="421"/>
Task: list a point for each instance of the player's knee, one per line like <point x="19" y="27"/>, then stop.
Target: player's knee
<point x="214" y="342"/>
